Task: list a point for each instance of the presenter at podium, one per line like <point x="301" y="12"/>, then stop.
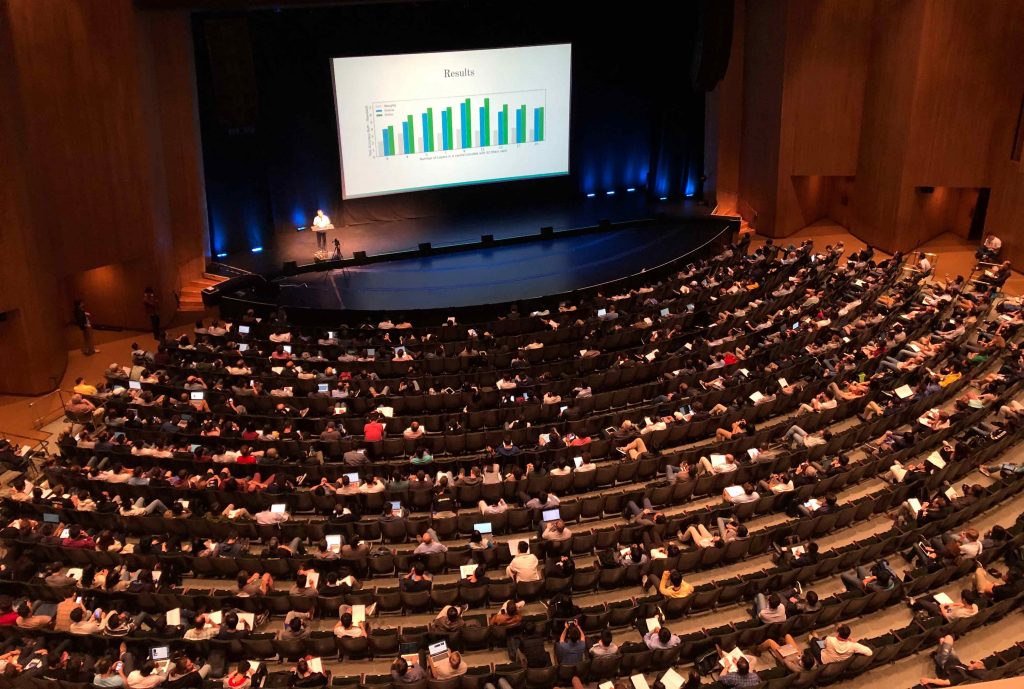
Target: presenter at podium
<point x="321" y="223"/>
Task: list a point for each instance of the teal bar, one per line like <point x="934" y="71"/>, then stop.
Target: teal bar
<point x="521" y="124"/>
<point x="538" y="124"/>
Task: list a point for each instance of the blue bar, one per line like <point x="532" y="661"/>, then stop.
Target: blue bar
<point x="406" y="137"/>
<point x="466" y="126"/>
<point x="484" y="124"/>
<point x="538" y="131"/>
<point x="385" y="142"/>
<point x="502" y="135"/>
<point x="426" y="135"/>
<point x="445" y="124"/>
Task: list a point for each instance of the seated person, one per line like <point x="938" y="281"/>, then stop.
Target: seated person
<point x="660" y="638"/>
<point x="571" y="648"/>
<point x="864" y="580"/>
<point x="449" y="667"/>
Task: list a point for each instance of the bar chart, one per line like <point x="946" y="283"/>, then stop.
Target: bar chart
<point x="431" y="125"/>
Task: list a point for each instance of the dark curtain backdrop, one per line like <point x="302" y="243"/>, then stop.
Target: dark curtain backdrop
<point x="266" y="100"/>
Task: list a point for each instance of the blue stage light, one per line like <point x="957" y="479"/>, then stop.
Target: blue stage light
<point x="631" y="189"/>
<point x="591" y="195"/>
<point x="610" y="193"/>
<point x="222" y="254"/>
<point x="257" y="249"/>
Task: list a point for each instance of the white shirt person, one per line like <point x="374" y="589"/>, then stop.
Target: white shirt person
<point x="321" y="223"/>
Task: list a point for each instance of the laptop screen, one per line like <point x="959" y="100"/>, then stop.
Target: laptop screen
<point x="551" y="515"/>
<point x="243" y="347"/>
<point x="243" y="330"/>
<point x="134" y="385"/>
<point x="279" y="508"/>
<point x="601" y="312"/>
<point x="288" y="348"/>
<point x="51" y="518"/>
<point x="396" y="505"/>
<point x="483" y="527"/>
<point x="322" y="387"/>
<point x="664" y="312"/>
<point x="353" y="477"/>
<point x="160" y="653"/>
<point x="196" y="395"/>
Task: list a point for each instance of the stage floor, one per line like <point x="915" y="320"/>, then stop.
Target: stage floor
<point x="388" y="236"/>
<point x="500" y="274"/>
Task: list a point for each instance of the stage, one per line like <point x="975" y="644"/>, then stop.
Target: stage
<point x="593" y="242"/>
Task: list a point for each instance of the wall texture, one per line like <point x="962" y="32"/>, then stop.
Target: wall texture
<point x="850" y="107"/>
<point x="101" y="100"/>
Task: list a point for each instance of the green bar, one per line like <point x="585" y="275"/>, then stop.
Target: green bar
<point x="412" y="135"/>
<point x="390" y="133"/>
<point x="538" y="133"/>
<point x="467" y="129"/>
<point x="451" y="130"/>
<point x="485" y="129"/>
<point x="429" y="135"/>
<point x="503" y="135"/>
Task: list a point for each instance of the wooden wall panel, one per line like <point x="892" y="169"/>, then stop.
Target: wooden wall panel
<point x="32" y="354"/>
<point x="102" y="98"/>
<point x="763" y="66"/>
<point x="724" y="124"/>
<point x="826" y="74"/>
<point x="887" y="119"/>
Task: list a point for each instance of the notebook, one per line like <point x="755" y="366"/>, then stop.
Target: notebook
<point x="174" y="617"/>
<point x="672" y="679"/>
<point x="653" y="623"/>
<point x="942" y="599"/>
<point x="717" y="460"/>
<point x="783" y="383"/>
<point x="788" y="650"/>
<point x="639" y="682"/>
<point x="333" y="543"/>
<point x="903" y="392"/>
<point x="734" y="491"/>
<point x="898" y="471"/>
<point x="358" y="614"/>
<point x="756" y="397"/>
<point x="936" y="459"/>
<point x="466" y="571"/>
<point x="312" y="579"/>
<point x="513" y="545"/>
<point x="315" y="665"/>
<point x="731" y="658"/>
<point x="915" y="504"/>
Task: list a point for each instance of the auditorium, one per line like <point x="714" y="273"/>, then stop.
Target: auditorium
<point x="695" y="362"/>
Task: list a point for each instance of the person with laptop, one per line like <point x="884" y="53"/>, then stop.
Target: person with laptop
<point x="446" y="664"/>
<point x="556" y="532"/>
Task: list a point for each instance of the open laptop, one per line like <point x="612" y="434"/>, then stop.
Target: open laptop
<point x="551" y="515"/>
<point x="242" y="347"/>
<point x="161" y="657"/>
<point x="483" y="527"/>
<point x="196" y="395"/>
<point x="279" y="508"/>
<point x="243" y="330"/>
<point x="134" y="385"/>
<point x="438" y="651"/>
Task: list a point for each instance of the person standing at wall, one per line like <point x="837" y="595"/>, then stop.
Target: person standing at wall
<point x="84" y="322"/>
